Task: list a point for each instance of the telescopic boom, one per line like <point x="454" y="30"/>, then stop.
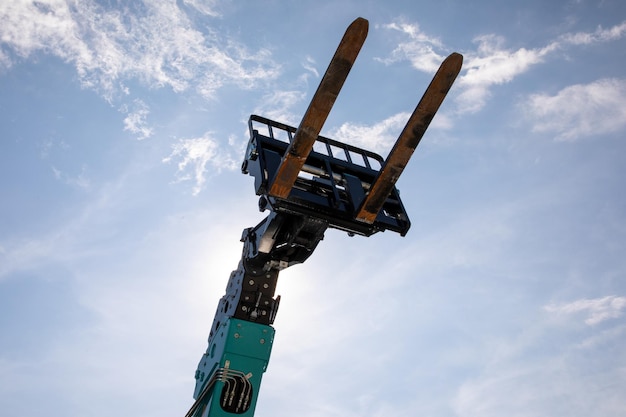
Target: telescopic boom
<point x="308" y="183"/>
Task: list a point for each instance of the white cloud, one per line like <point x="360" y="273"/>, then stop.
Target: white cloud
<point x="207" y="7"/>
<point x="277" y="106"/>
<point x="418" y="49"/>
<point x="153" y="42"/>
<point x="491" y="63"/>
<point x="75" y="238"/>
<point x="580" y="110"/>
<point x="5" y="61"/>
<point x="197" y="156"/>
<point x="550" y="386"/>
<point x="78" y="181"/>
<point x="132" y="306"/>
<point x="136" y="120"/>
<point x="309" y="65"/>
<point x="600" y="35"/>
<point x="378" y="137"/>
<point x="596" y="310"/>
<point x="551" y="370"/>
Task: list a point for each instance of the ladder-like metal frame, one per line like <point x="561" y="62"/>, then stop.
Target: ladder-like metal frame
<point x="332" y="183"/>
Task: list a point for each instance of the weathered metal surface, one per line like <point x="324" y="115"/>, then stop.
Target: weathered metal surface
<point x="410" y="138"/>
<point x="319" y="108"/>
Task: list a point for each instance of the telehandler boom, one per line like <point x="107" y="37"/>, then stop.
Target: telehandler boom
<point x="308" y="183"/>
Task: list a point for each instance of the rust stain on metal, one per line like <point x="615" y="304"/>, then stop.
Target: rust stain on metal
<point x="319" y="108"/>
<point x="410" y="138"/>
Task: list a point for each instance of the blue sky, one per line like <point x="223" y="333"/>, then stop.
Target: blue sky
<point x="123" y="129"/>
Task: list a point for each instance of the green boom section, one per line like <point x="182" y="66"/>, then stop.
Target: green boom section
<point x="239" y="353"/>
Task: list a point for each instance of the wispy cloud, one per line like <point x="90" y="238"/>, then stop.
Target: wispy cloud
<point x="600" y="35"/>
<point x="579" y="110"/>
<point x="418" y="48"/>
<point x="491" y="63"/>
<point x="552" y="385"/>
<point x="207" y="7"/>
<point x="547" y="369"/>
<point x="136" y="119"/>
<point x="153" y="42"/>
<point x="378" y="137"/>
<point x="124" y="305"/>
<point x="596" y="310"/>
<point x="78" y="181"/>
<point x="197" y="156"/>
<point x="279" y="105"/>
<point x="309" y="65"/>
